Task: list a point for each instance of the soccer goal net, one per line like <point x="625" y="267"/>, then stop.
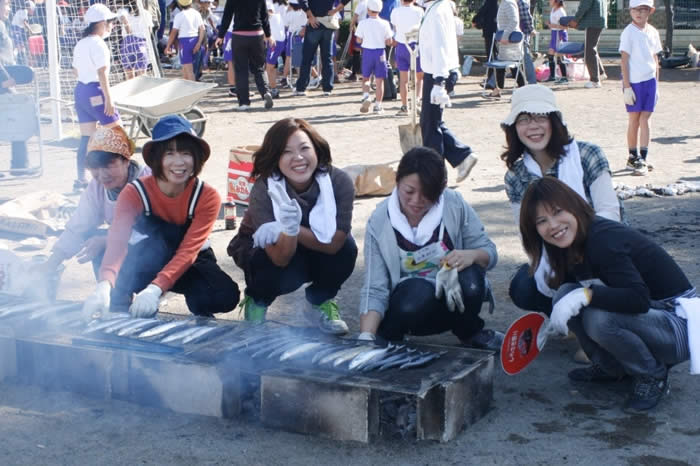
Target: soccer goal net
<point x="45" y="33"/>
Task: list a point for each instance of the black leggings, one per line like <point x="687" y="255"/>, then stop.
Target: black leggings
<point x="562" y="66"/>
<point x="414" y="309"/>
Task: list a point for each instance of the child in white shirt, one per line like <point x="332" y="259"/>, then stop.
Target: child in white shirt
<point x="133" y="48"/>
<point x="405" y="19"/>
<point x="188" y="29"/>
<point x="277" y="30"/>
<point x="558" y="35"/>
<point x="639" y="45"/>
<point x="374" y="33"/>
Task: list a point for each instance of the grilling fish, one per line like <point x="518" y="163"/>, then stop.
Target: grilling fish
<point x="118" y="325"/>
<point x="53" y="309"/>
<point x="17" y="308"/>
<point x="272" y="346"/>
<point x="161" y="329"/>
<point x="420" y="361"/>
<point x="180" y="335"/>
<point x="217" y="331"/>
<point x="201" y="331"/>
<point x="401" y="357"/>
<point x="326" y="351"/>
<point x="299" y="350"/>
<point x="355" y="350"/>
<point x="98" y="325"/>
<point x="139" y="325"/>
<point x="367" y="356"/>
<point x="287" y="346"/>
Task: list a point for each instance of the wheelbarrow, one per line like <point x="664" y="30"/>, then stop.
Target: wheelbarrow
<point x="148" y="99"/>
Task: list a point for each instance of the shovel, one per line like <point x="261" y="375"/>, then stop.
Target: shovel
<point x="410" y="135"/>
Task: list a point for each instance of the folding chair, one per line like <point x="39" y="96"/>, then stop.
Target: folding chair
<point x="503" y="63"/>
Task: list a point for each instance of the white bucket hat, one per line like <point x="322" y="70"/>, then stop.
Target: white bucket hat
<point x="533" y="98"/>
<point x="638" y="3"/>
<point x="98" y="12"/>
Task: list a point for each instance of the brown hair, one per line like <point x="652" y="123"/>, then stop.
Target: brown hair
<point x="515" y="147"/>
<point x="266" y="159"/>
<point x="551" y="193"/>
<point x="181" y="142"/>
<point x="430" y="168"/>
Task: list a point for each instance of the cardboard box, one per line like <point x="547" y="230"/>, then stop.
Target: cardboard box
<point x="239" y="182"/>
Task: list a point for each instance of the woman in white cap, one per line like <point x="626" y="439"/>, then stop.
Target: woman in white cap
<point x="93" y="101"/>
<point x="538" y="143"/>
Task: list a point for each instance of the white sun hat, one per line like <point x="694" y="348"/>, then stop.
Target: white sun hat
<point x="533" y="98"/>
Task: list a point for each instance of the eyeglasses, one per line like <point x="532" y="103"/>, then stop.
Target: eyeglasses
<point x="526" y="118"/>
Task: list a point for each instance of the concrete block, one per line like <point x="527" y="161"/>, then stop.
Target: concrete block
<point x="8" y="354"/>
<point x="312" y="406"/>
<point x="181" y="386"/>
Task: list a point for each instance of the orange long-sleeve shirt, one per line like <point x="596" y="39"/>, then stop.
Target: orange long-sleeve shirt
<point x="170" y="209"/>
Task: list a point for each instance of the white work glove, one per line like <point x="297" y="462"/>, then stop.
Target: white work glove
<point x="145" y="303"/>
<point x="438" y="96"/>
<point x="366" y="336"/>
<point x="98" y="302"/>
<point x="289" y="211"/>
<point x="447" y="283"/>
<point x="267" y="234"/>
<point x="567" y="307"/>
<point x="630" y="98"/>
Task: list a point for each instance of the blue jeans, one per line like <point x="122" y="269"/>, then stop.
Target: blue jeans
<point x="634" y="344"/>
<point x="414" y="309"/>
<point x="436" y="134"/>
<point x="313" y="38"/>
<point x="527" y="61"/>
<point x="265" y="281"/>
<point x="524" y="293"/>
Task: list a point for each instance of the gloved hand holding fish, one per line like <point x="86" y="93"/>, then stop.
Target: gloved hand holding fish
<point x="98" y="302"/>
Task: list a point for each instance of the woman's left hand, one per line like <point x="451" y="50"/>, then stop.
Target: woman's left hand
<point x="459" y="259"/>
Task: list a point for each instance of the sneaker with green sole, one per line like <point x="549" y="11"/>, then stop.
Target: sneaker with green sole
<point x="327" y="317"/>
<point x="252" y="311"/>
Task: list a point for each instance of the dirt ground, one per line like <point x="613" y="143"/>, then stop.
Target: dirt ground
<point x="537" y="417"/>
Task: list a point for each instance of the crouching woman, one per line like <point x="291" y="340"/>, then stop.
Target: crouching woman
<point x="617" y="290"/>
<point x="297" y="226"/>
<point x="426" y="255"/>
<point x="158" y="240"/>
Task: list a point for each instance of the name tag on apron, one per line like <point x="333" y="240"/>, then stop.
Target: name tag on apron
<point x="433" y="252"/>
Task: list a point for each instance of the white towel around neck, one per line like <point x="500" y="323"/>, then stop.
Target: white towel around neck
<point x="322" y="215"/>
<point x="424" y="231"/>
<point x="571" y="174"/>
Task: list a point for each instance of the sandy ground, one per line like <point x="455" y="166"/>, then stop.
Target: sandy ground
<point x="537" y="417"/>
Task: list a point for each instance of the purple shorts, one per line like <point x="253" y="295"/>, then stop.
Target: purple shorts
<point x="645" y="92"/>
<point x="90" y="104"/>
<point x="373" y="61"/>
<point x="556" y="37"/>
<point x="187" y="50"/>
<point x="134" y="53"/>
<point x="403" y="58"/>
<point x="274" y="53"/>
<point x="228" y="47"/>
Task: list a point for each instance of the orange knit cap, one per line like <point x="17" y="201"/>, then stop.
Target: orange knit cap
<point x="112" y="140"/>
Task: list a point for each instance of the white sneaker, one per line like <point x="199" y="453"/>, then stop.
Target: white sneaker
<point x="592" y="85"/>
<point x="243" y="108"/>
<point x="299" y="93"/>
<point x="364" y="108"/>
<point x="378" y="110"/>
<point x="464" y="168"/>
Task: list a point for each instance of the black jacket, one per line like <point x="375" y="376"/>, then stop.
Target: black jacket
<point x="248" y="15"/>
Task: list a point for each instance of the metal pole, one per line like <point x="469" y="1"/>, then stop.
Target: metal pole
<point x="54" y="68"/>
